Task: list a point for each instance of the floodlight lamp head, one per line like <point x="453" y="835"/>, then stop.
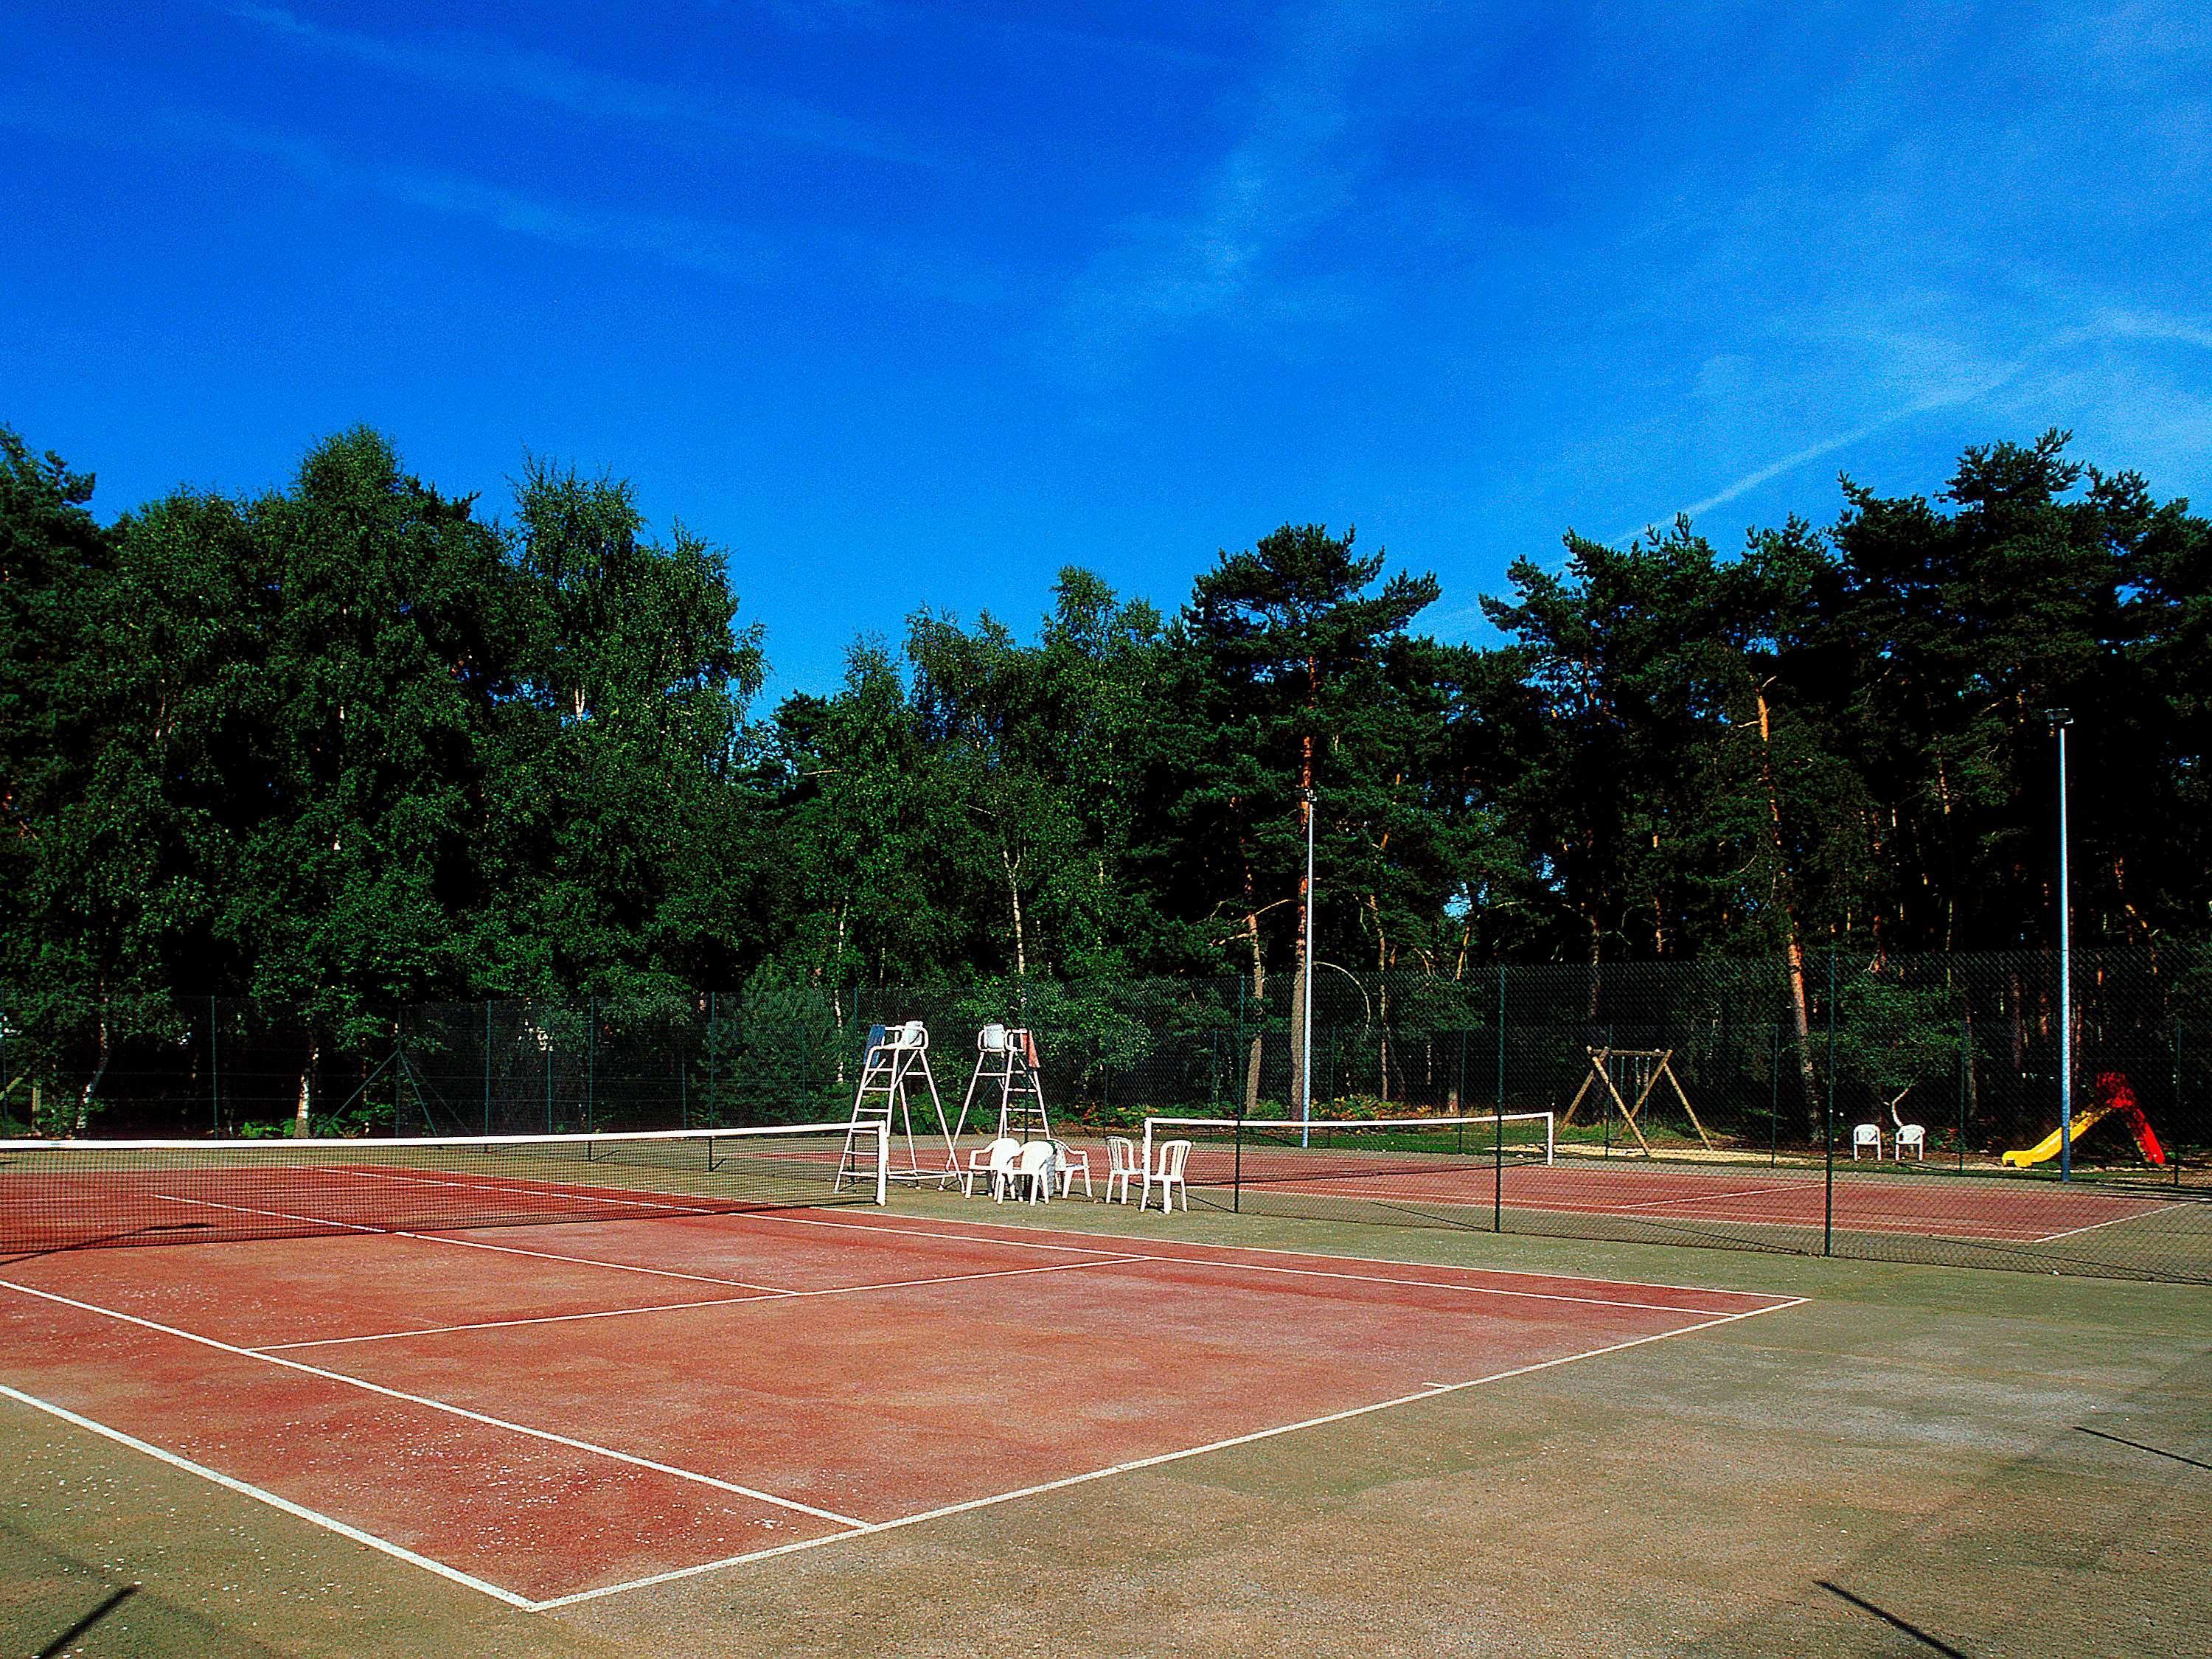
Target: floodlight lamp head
<point x="2059" y="718"/>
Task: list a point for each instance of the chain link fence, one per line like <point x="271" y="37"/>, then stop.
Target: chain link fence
<point x="1854" y="1106"/>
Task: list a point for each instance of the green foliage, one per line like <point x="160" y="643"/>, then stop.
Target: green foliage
<point x="353" y="744"/>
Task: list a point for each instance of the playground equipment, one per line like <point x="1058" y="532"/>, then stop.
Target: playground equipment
<point x="1643" y="1069"/>
<point x="897" y="1055"/>
<point x="1007" y="1057"/>
<point x="2115" y="1098"/>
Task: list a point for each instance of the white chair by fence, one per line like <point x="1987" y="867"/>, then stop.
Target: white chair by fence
<point x="1033" y="1173"/>
<point x="1167" y="1176"/>
<point x="1121" y="1165"/>
<point x="1072" y="1164"/>
<point x="1914" y="1135"/>
<point x="996" y="1162"/>
<point x="1866" y="1135"/>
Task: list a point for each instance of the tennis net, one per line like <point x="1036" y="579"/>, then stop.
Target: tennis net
<point x="1435" y="1168"/>
<point x="72" y="1194"/>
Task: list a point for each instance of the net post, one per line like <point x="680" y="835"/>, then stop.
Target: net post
<point x="1497" y="1168"/>
<point x="1237" y="1168"/>
<point x="884" y="1162"/>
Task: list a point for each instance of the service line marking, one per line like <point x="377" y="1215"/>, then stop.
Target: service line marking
<point x="1433" y="1391"/>
<point x="478" y="1244"/>
<point x="426" y="1401"/>
<point x="680" y="1307"/>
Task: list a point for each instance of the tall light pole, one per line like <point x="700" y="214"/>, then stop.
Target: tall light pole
<point x="1305" y="1059"/>
<point x="2060" y="720"/>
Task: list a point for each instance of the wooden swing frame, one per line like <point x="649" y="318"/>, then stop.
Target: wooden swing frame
<point x="1599" y="1073"/>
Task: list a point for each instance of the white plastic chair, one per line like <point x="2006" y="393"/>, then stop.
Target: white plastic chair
<point x="1914" y="1135"/>
<point x="1034" y="1172"/>
<point x="995" y="1160"/>
<point x="1072" y="1164"/>
<point x="1121" y="1165"/>
<point x="1168" y="1176"/>
<point x="1866" y="1135"/>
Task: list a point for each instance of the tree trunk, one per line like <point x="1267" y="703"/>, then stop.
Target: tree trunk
<point x="1779" y="886"/>
<point x="1259" y="1005"/>
<point x="1014" y="899"/>
<point x="307" y="1090"/>
<point x="92" y="1084"/>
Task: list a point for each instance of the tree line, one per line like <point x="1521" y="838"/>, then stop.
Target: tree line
<point x="354" y="743"/>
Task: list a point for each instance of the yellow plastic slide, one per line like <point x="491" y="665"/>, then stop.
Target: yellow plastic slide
<point x="2047" y="1148"/>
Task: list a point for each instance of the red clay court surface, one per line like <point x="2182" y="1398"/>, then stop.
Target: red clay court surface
<point x="1937" y="1204"/>
<point x="555" y="1413"/>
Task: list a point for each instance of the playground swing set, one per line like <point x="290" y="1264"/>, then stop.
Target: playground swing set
<point x="1642" y="1070"/>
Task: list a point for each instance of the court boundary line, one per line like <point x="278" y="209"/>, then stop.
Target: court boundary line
<point x="2153" y="1207"/>
<point x="1284" y="1249"/>
<point x="1317" y="1272"/>
<point x="547" y="1435"/>
<point x="1436" y="1391"/>
<point x="262" y="1495"/>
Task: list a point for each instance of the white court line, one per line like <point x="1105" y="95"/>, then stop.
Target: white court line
<point x="1312" y="1272"/>
<point x="677" y="1307"/>
<point x="1712" y="1198"/>
<point x="502" y="1324"/>
<point x="1434" y="1391"/>
<point x="439" y="1405"/>
<point x="2114" y="1221"/>
<point x="231" y="1483"/>
<point x="475" y="1244"/>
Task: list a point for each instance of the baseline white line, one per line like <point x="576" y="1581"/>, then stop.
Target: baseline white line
<point x="1713" y="1198"/>
<point x="1430" y="1392"/>
<point x="1313" y="1272"/>
<point x="425" y="1401"/>
<point x="231" y="1483"/>
<point x="678" y="1307"/>
<point x="2114" y="1221"/>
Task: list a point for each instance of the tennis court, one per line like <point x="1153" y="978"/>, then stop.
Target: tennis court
<point x="1510" y="1173"/>
<point x="552" y="1411"/>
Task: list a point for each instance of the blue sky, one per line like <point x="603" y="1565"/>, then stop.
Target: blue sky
<point x="909" y="303"/>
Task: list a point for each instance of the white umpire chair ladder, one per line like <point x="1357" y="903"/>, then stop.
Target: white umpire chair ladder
<point x="1006" y="1063"/>
<point x="883" y="1109"/>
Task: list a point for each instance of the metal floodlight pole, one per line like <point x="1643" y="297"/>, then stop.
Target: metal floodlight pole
<point x="2060" y="720"/>
<point x="1305" y="1060"/>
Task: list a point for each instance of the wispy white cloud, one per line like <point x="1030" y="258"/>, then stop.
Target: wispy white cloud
<point x="2053" y="370"/>
<point x="485" y="64"/>
<point x="1289" y="172"/>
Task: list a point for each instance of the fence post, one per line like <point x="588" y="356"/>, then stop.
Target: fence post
<point x="1774" y="1098"/>
<point x="215" y="1073"/>
<point x="591" y="1063"/>
<point x="2173" y="1157"/>
<point x="714" y="1038"/>
<point x="487" y="1066"/>
<point x="1501" y="1037"/>
<point x="1966" y="1060"/>
<point x="1828" y="1122"/>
